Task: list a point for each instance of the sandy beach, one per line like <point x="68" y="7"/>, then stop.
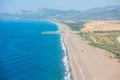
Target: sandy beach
<point x="88" y="62"/>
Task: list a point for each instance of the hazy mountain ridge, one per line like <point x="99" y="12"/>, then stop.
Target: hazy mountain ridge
<point x="104" y="13"/>
<point x="48" y="14"/>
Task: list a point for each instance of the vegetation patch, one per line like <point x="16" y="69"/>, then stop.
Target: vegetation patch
<point x="76" y="26"/>
<point x="105" y="37"/>
<point x="105" y="41"/>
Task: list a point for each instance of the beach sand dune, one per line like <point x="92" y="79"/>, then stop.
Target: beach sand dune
<point x="88" y="62"/>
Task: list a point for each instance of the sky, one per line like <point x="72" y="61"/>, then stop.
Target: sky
<point x="15" y="5"/>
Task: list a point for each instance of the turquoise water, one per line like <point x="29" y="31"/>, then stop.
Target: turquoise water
<point x="25" y="54"/>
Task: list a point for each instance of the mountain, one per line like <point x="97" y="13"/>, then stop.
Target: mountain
<point x="104" y="13"/>
<point x="48" y="14"/>
<point x="4" y="15"/>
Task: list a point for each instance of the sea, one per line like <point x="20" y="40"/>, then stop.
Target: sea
<point x="26" y="54"/>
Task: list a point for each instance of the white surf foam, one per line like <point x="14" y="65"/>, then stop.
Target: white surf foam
<point x="66" y="63"/>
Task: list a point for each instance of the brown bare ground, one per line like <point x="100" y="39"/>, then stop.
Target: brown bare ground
<point x="101" y="26"/>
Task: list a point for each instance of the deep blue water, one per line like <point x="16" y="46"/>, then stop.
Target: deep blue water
<point x="25" y="54"/>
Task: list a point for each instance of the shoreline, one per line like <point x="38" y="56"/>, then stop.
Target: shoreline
<point x="88" y="62"/>
<point x="65" y="60"/>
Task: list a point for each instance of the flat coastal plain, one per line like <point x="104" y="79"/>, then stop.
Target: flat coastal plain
<point x="88" y="62"/>
<point x="101" y="26"/>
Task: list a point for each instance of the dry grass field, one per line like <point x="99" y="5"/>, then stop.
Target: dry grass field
<point x="101" y="26"/>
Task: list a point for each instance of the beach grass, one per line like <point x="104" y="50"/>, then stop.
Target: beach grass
<point x="105" y="40"/>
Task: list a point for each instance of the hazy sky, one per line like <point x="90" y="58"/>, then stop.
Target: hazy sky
<point x="14" y="5"/>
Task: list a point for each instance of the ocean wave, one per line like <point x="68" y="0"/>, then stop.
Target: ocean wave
<point x="66" y="63"/>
